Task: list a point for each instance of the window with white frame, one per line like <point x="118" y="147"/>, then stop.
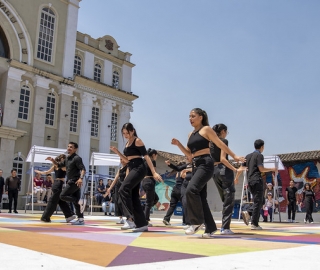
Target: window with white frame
<point x="112" y="172"/>
<point x="114" y="127"/>
<point x="51" y="104"/>
<point x="97" y="73"/>
<point x="74" y="116"/>
<point x="46" y="34"/>
<point x="77" y="65"/>
<point x="115" y="79"/>
<point x="94" y="169"/>
<point x="18" y="166"/>
<point x="24" y="103"/>
<point x="95" y="122"/>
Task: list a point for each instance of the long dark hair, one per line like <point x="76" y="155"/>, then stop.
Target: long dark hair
<point x="219" y="127"/>
<point x="205" y="120"/>
<point x="129" y="127"/>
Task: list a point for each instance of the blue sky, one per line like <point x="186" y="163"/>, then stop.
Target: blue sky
<point x="252" y="65"/>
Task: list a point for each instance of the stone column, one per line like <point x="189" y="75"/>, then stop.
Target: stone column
<point x="85" y="127"/>
<point x="105" y="124"/>
<point x="124" y="117"/>
<point x="41" y="86"/>
<point x="63" y="132"/>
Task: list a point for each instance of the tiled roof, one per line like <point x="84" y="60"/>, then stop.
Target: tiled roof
<point x="286" y="158"/>
<point x="300" y="156"/>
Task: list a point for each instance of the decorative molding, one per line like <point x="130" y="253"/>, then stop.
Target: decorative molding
<point x="100" y="93"/>
<point x="41" y="82"/>
<point x="15" y="74"/>
<point x="88" y="99"/>
<point x="107" y="104"/>
<point x="11" y="133"/>
<point x="66" y="90"/>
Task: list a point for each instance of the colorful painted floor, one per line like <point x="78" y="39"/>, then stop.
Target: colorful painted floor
<point x="101" y="242"/>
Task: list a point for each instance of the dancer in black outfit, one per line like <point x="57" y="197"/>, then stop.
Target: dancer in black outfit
<point x="54" y="201"/>
<point x="176" y="193"/>
<point x="149" y="186"/>
<point x="308" y="199"/>
<point x="129" y="190"/>
<point x="198" y="150"/>
<point x="224" y="178"/>
<point x="116" y="184"/>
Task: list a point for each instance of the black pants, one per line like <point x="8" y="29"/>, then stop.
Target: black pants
<point x="175" y="198"/>
<point x="129" y="192"/>
<point x="149" y="186"/>
<point x="196" y="194"/>
<point x="185" y="218"/>
<point x="256" y="189"/>
<point x="292" y="209"/>
<point x="55" y="200"/>
<point x="72" y="193"/>
<point x="117" y="204"/>
<point x="0" y="198"/>
<point x="224" y="180"/>
<point x="13" y="195"/>
<point x="308" y="203"/>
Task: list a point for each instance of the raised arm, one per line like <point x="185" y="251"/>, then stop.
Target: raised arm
<point x="184" y="150"/>
<point x="45" y="172"/>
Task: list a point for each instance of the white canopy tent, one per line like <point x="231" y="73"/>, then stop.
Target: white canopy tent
<point x="268" y="162"/>
<point x="38" y="154"/>
<point x="101" y="159"/>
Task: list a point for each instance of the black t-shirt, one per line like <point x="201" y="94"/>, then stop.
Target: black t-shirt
<point x="149" y="173"/>
<point x="215" y="151"/>
<point x="291" y="193"/>
<point x="253" y="161"/>
<point x="1" y="184"/>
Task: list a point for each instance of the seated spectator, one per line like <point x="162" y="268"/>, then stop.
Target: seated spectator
<point x="267" y="208"/>
<point x="47" y="188"/>
<point x="38" y="187"/>
<point x="101" y="190"/>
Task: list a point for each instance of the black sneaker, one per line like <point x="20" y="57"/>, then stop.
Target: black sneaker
<point x="47" y="220"/>
<point x="15" y="211"/>
<point x="10" y="212"/>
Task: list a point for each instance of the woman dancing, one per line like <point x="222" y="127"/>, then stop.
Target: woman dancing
<point x="308" y="199"/>
<point x="116" y="184"/>
<point x="149" y="185"/>
<point x="198" y="150"/>
<point x="223" y="177"/>
<point x="54" y="201"/>
<point x="129" y="191"/>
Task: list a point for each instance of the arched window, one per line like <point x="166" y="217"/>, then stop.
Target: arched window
<point x="97" y="73"/>
<point x="18" y="166"/>
<point x="115" y="79"/>
<point x="77" y="65"/>
<point x="46" y="34"/>
<point x="4" y="47"/>
<point x="51" y="105"/>
<point x="24" y="103"/>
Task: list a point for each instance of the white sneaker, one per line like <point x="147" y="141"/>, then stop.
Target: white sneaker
<point x="304" y="220"/>
<point x="128" y="225"/>
<point x="69" y="219"/>
<point x="150" y="224"/>
<point x="226" y="232"/>
<point x="186" y="227"/>
<point x="289" y="220"/>
<point x="121" y="221"/>
<point x="293" y="221"/>
<point x="253" y="227"/>
<point x="83" y="204"/>
<point x="141" y="229"/>
<point x="193" y="229"/>
<point x="209" y="235"/>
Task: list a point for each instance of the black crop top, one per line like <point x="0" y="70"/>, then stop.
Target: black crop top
<point x="196" y="142"/>
<point x="134" y="150"/>
<point x="215" y="151"/>
<point x="60" y="173"/>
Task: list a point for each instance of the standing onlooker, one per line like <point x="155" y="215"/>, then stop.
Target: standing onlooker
<point x="308" y="199"/>
<point x="47" y="188"/>
<point x="254" y="162"/>
<point x="291" y="196"/>
<point x="1" y="187"/>
<point x="13" y="184"/>
<point x="75" y="173"/>
<point x="101" y="189"/>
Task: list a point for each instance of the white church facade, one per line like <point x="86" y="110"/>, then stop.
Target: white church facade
<point x="58" y="85"/>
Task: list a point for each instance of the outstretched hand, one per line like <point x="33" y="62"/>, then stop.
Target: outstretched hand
<point x="174" y="141"/>
<point x="241" y="159"/>
<point x="114" y="149"/>
<point x="157" y="177"/>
